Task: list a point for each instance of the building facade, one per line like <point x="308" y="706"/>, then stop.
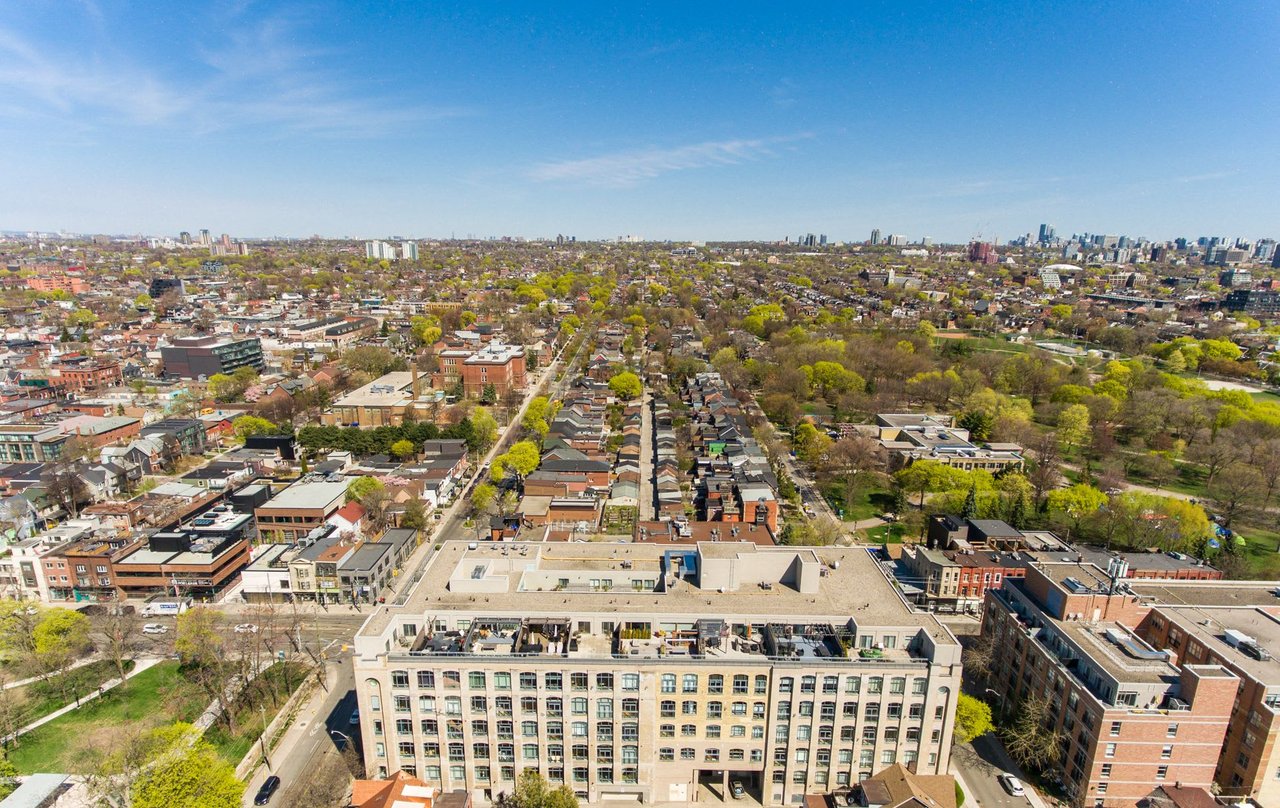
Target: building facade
<point x="639" y="671"/>
<point x="196" y="357"/>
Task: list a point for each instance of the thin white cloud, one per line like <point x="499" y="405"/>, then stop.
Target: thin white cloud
<point x="256" y="80"/>
<point x="626" y="168"/>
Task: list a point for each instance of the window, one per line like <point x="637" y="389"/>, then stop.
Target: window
<point x="401" y="703"/>
<point x="757" y="710"/>
<point x="869" y="734"/>
<point x="667" y="709"/>
<point x="1115" y="728"/>
<point x="479" y="727"/>
<point x="762" y="685"/>
<point x="785" y="684"/>
<point x="529" y="729"/>
<point x="426" y="704"/>
<point x="713" y="731"/>
<point x="604" y="681"/>
<point x="555" y="707"/>
<point x="804" y="732"/>
<point x="479" y="704"/>
<point x="578" y="681"/>
<point x="853" y="684"/>
<point x="739" y="708"/>
<point x="690" y="683"/>
<point x="887" y="757"/>
<point x="528" y="681"/>
<point x="1106" y="770"/>
<point x="780" y="757"/>
<point x="828" y="711"/>
<point x="712" y="755"/>
<point x="918" y="686"/>
<point x="529" y="751"/>
<point x="689" y="708"/>
<point x="871" y="712"/>
<point x="806" y="709"/>
<point x="528" y="704"/>
<point x="667" y="731"/>
<point x="555" y="730"/>
<point x="475" y="679"/>
<point x="895" y="709"/>
<point x="426" y="679"/>
<point x="1166" y="753"/>
<point x="689" y="730"/>
<point x="898" y="685"/>
<point x="715" y="709"/>
<point x="457" y="751"/>
<point x="578" y="705"/>
<point x="715" y="684"/>
<point x="1172" y="731"/>
<point x="452" y="679"/>
<point x="830" y="684"/>
<point x="631" y="708"/>
<point x="666" y="753"/>
<point x="737" y="731"/>
<point x="808" y="684"/>
<point x="404" y="726"/>
<point x="431" y="750"/>
<point x="429" y="727"/>
<point x="1111" y="750"/>
<point x="1102" y="788"/>
<point x="687" y="753"/>
<point x="802" y="756"/>
<point x="399" y="679"/>
<point x="1162" y="772"/>
<point x="875" y="684"/>
<point x="668" y="683"/>
<point x="553" y="681"/>
<point x="453" y="705"/>
<point x="604" y="708"/>
<point x="784" y="709"/>
<point x="631" y="682"/>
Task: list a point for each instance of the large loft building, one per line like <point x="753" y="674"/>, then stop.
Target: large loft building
<point x="638" y="671"/>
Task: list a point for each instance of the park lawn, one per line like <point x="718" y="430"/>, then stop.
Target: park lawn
<point x="868" y="504"/>
<point x="271" y="690"/>
<point x="1266" y="397"/>
<point x="1264" y="561"/>
<point x="38" y="699"/>
<point x="65" y="744"/>
<point x="886" y="534"/>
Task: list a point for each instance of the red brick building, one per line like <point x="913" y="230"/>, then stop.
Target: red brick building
<point x="89" y="376"/>
<point x="1133" y="716"/>
<point x="502" y="366"/>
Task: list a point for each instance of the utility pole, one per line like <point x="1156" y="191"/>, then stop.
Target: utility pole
<point x="263" y="738"/>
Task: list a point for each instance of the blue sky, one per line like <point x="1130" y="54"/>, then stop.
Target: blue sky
<point x="688" y="120"/>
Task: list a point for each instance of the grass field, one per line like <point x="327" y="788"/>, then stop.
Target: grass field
<point x="68" y="743"/>
<point x="38" y="699"/>
<point x="866" y="505"/>
<point x="157" y="696"/>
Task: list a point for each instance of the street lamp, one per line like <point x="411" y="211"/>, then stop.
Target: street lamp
<point x="998" y="695"/>
<point x="350" y="743"/>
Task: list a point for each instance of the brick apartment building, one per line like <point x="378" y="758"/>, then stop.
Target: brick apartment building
<point x="299" y="509"/>
<point x="1143" y="692"/>
<point x="502" y="366"/>
<point x="87" y="376"/>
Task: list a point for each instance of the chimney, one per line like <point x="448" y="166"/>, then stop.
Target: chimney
<point x="414" y="370"/>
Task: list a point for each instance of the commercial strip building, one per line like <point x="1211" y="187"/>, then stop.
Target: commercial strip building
<point x="636" y="671"/>
<point x="1150" y="682"/>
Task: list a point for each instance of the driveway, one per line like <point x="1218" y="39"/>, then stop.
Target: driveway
<point x="979" y="763"/>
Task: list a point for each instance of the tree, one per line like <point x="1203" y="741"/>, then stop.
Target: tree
<point x="973" y="719"/>
<point x="1214" y="454"/>
<point x="119" y="626"/>
<point x="1078" y="501"/>
<point x="204" y="660"/>
<point x="426" y="329"/>
<point x="402" y="449"/>
<point x="484" y="428"/>
<point x="852" y="461"/>
<point x="64" y="486"/>
<point x="184" y="771"/>
<point x="1073" y="426"/>
<point x="360" y="488"/>
<point x="1029" y="740"/>
<point x="372" y="360"/>
<point x="1236" y="487"/>
<point x="143" y="301"/>
<point x="979" y="656"/>
<point x="415" y="515"/>
<point x="533" y="791"/>
<point x="626" y="385"/>
<point x="483" y="497"/>
<point x="522" y="458"/>
<point x="246" y="426"/>
<point x="60" y="637"/>
<point x="489" y="394"/>
<point x="924" y="476"/>
<point x="538" y="415"/>
<point x="970" y="509"/>
<point x="811" y="444"/>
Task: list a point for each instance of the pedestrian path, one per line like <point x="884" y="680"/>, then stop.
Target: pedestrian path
<point x="139" y="665"/>
<point x="79" y="663"/>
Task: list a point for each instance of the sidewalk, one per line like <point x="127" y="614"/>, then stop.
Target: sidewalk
<point x="305" y="723"/>
<point x="79" y="663"/>
<point x="139" y="665"/>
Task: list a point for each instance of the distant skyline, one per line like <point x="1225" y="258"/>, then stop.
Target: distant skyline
<point x="727" y="122"/>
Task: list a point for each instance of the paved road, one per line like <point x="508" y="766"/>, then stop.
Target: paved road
<point x="979" y="763"/>
<point x="648" y="493"/>
<point x="316" y="742"/>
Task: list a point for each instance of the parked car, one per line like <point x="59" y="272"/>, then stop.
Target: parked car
<point x="269" y="787"/>
<point x="246" y="628"/>
<point x="737" y="790"/>
<point x="154" y="628"/>
<point x="1012" y="784"/>
<point x="355" y="717"/>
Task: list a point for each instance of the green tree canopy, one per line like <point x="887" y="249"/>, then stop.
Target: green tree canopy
<point x="402" y="449"/>
<point x="973" y="719"/>
<point x="361" y="487"/>
<point x="247" y="426"/>
<point x="184" y="771"/>
<point x="626" y="385"/>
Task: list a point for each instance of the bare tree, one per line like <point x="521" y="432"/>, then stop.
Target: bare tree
<point x="1235" y="488"/>
<point x="118" y="625"/>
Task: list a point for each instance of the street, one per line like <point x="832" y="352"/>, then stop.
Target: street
<point x="319" y="745"/>
<point x="979" y="763"/>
